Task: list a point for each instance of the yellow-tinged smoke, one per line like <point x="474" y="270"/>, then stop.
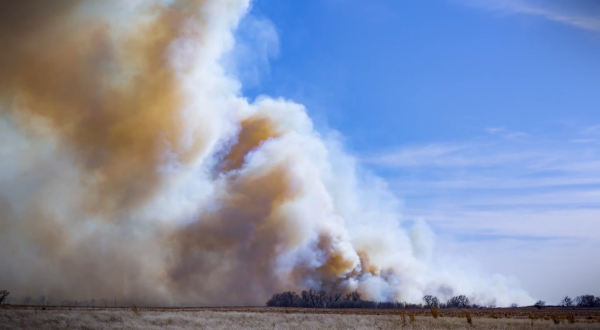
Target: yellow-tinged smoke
<point x="132" y="168"/>
<point x="114" y="101"/>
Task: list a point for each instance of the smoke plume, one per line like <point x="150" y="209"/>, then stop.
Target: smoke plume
<point x="132" y="167"/>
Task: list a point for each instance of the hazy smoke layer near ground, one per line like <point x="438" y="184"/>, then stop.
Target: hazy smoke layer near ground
<point x="132" y="167"/>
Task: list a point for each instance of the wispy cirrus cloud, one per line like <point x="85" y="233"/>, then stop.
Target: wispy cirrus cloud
<point x="505" y="133"/>
<point x="491" y="196"/>
<point x="483" y="180"/>
<point x="583" y="14"/>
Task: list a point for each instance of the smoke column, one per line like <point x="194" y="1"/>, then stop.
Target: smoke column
<point x="132" y="167"/>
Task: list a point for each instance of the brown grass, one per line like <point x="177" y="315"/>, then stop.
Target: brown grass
<point x="570" y="318"/>
<point x="290" y="318"/>
<point x="412" y="317"/>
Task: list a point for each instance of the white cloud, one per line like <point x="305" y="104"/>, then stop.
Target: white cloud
<point x="575" y="13"/>
<point x="505" y="133"/>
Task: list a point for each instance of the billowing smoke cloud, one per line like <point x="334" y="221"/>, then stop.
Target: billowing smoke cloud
<point x="132" y="167"/>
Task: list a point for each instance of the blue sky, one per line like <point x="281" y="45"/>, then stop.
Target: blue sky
<point x="483" y="117"/>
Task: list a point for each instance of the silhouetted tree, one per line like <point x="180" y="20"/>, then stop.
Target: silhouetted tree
<point x="335" y="296"/>
<point x="320" y="298"/>
<point x="587" y="300"/>
<point x="286" y="299"/>
<point x="428" y="299"/>
<point x="566" y="302"/>
<point x="539" y="304"/>
<point x="458" y="302"/>
<point x="352" y="296"/>
<point x="3" y="296"/>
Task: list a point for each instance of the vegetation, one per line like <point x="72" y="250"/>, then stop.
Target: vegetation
<point x="587" y="300"/>
<point x="289" y="318"/>
<point x="566" y="302"/>
<point x="322" y="299"/>
<point x="3" y="295"/>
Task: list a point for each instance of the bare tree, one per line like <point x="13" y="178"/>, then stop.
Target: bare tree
<point x="320" y="298"/>
<point x="312" y="294"/>
<point x="587" y="300"/>
<point x="305" y="298"/>
<point x="566" y="302"/>
<point x="335" y="296"/>
<point x="427" y="299"/>
<point x="431" y="301"/>
<point x="42" y="300"/>
<point x="3" y="296"/>
<point x="352" y="296"/>
<point x="459" y="302"/>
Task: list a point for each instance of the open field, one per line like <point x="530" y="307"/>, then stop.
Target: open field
<point x="280" y="318"/>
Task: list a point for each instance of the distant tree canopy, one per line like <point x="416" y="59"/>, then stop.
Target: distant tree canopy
<point x="587" y="300"/>
<point x="322" y="299"/>
<point x="319" y="299"/>
<point x="458" y="302"/>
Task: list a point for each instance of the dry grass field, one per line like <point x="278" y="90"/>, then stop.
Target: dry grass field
<point x="273" y="318"/>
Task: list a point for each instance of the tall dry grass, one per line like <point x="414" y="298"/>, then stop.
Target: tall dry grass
<point x="196" y="319"/>
<point x="434" y="312"/>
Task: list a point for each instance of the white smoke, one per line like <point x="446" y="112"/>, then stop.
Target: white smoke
<point x="247" y="200"/>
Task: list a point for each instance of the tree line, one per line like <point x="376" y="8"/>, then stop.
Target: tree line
<point x="586" y="300"/>
<point x="323" y="299"/>
<point x="353" y="299"/>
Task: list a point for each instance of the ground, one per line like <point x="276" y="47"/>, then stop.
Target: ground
<point x="18" y="317"/>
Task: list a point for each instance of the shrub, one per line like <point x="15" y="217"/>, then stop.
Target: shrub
<point x="539" y="304"/>
<point x="411" y="316"/>
<point x="403" y="317"/>
<point x="434" y="312"/>
<point x="469" y="320"/>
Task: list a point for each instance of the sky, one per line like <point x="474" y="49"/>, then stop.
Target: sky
<point x="482" y="116"/>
